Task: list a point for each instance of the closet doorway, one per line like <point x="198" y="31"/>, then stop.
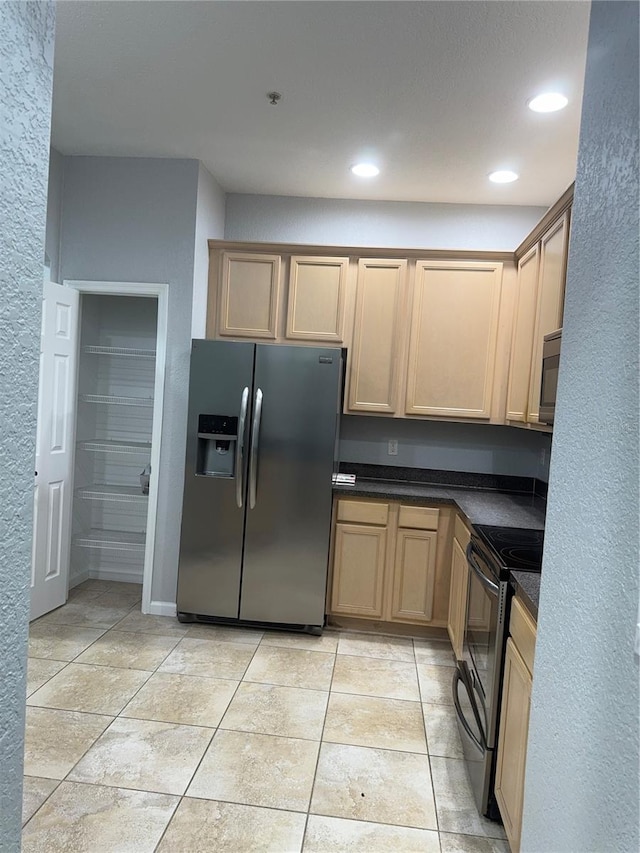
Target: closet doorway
<point x="98" y="519"/>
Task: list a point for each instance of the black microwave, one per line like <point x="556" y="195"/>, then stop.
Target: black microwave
<point x="549" y="384"/>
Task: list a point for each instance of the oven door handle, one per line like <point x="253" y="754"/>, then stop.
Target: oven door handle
<point x="457" y="676"/>
<point x="488" y="584"/>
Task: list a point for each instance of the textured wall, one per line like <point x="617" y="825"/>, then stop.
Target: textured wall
<point x="481" y="448"/>
<point x="127" y="219"/>
<point x="341" y="222"/>
<point x="582" y="767"/>
<point x="209" y="225"/>
<point x="26" y="74"/>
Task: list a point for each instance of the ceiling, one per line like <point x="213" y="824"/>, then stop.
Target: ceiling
<point x="435" y="92"/>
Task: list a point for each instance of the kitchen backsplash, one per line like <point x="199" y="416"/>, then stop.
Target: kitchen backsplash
<point x="478" y="448"/>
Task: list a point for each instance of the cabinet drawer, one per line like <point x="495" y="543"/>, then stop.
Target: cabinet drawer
<point x="363" y="512"/>
<point x="419" y="517"/>
<point x="461" y="533"/>
<point x="523" y="631"/>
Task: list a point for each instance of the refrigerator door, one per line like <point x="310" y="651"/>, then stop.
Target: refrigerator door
<point x="215" y="478"/>
<point x="295" y="413"/>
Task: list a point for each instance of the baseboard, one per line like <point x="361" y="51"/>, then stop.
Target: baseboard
<point x="116" y="575"/>
<point x="162" y="608"/>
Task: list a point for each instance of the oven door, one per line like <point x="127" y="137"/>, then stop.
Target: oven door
<point x="483" y="639"/>
<point x="478" y="759"/>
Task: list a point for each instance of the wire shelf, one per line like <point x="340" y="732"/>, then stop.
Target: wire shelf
<point x="122" y="494"/>
<point x="113" y="540"/>
<point x="130" y="352"/>
<point x="112" y="446"/>
<point x="105" y="399"/>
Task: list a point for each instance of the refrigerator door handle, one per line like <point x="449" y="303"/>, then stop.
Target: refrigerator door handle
<point x="240" y="447"/>
<point x="253" y="453"/>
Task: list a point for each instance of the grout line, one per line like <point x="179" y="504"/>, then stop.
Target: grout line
<point x="426" y="740"/>
<point x="58" y="781"/>
<point x="315" y="772"/>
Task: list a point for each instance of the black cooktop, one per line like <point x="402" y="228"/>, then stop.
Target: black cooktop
<point x="517" y="548"/>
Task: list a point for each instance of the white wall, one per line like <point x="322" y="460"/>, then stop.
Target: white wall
<point x="582" y="790"/>
<point x="134" y="219"/>
<point x="209" y="225"/>
<point x="390" y="224"/>
<point x="477" y="448"/>
<point x="26" y="78"/>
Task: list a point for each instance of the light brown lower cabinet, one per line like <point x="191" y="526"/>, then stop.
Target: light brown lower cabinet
<point x="391" y="562"/>
<point x="514" y="726"/>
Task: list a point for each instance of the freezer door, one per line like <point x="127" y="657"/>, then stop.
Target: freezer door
<point x="291" y="453"/>
<point x="215" y="478"/>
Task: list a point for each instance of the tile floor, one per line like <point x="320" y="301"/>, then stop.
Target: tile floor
<point x="144" y="734"/>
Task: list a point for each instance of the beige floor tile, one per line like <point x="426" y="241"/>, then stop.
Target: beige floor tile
<point x="435" y="684"/>
<point x="203" y="826"/>
<point x="35" y="791"/>
<point x="257" y="770"/>
<point x="291" y="668"/>
<point x="39" y="671"/>
<point x="93" y="819"/>
<point x="457" y="810"/>
<point x="471" y="844"/>
<point x="209" y="659"/>
<point x="184" y="699"/>
<point x="225" y="634"/>
<point x="87" y="594"/>
<point x="111" y="599"/>
<point x="337" y="835"/>
<point x="370" y="721"/>
<point x="328" y="642"/>
<point x="379" y="677"/>
<point x="375" y="785"/>
<point x="141" y="623"/>
<point x="56" y="740"/>
<point x="127" y="650"/>
<point x="145" y="755"/>
<point x="435" y="652"/>
<point x="123" y="586"/>
<point x="269" y="709"/>
<point x="60" y="642"/>
<point x="95" y="689"/>
<point x="442" y="731"/>
<point x="92" y="584"/>
<point x="372" y="646"/>
<point x="90" y="614"/>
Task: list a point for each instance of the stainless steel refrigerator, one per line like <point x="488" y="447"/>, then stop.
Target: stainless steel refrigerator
<point x="261" y="448"/>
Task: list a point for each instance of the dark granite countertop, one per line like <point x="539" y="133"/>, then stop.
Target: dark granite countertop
<point x="527" y="586"/>
<point x="478" y="505"/>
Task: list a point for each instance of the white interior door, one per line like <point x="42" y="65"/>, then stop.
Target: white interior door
<point x="54" y="449"/>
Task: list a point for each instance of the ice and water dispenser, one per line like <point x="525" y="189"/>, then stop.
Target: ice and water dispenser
<point x="217" y="440"/>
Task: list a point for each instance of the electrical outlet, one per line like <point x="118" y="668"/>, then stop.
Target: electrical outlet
<point x="393" y="447"/>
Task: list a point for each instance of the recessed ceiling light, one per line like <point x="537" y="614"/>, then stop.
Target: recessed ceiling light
<point x="365" y="170"/>
<point x="548" y="102"/>
<point x="503" y="176"/>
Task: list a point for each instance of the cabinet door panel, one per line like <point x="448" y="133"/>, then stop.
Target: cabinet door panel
<point x="522" y="340"/>
<point x="454" y="332"/>
<point x="458" y="598"/>
<point x="414" y="576"/>
<point x="358" y="570"/>
<point x="316" y="298"/>
<point x="512" y="743"/>
<point x="553" y="262"/>
<point x="376" y="337"/>
<point x="249" y="292"/>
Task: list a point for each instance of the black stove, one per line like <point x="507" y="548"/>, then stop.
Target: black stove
<point x="517" y="549"/>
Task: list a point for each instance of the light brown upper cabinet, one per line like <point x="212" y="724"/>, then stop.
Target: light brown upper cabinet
<point x="541" y="281"/>
<point x="454" y="330"/>
<point x="317" y="295"/>
<point x="377" y="335"/>
<point x="553" y="268"/>
<point x="249" y="293"/>
<point x="523" y="329"/>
